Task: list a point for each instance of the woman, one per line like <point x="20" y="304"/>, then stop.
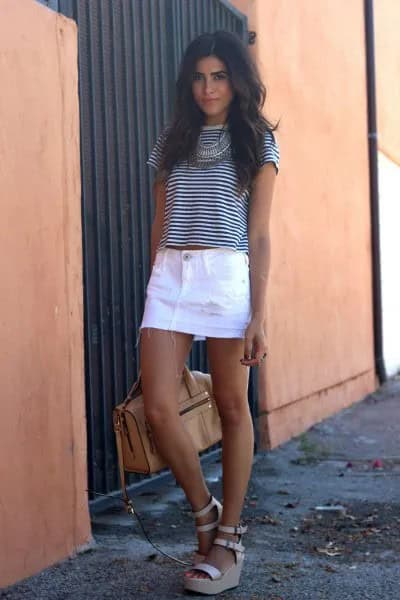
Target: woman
<point x="216" y="165"/>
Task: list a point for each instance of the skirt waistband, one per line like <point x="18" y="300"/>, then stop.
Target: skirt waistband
<point x="207" y="252"/>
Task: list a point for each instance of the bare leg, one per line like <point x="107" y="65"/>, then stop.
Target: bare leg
<point x="230" y="380"/>
<point x="163" y="355"/>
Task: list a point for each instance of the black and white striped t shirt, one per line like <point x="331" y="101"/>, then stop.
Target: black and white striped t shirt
<point x="203" y="206"/>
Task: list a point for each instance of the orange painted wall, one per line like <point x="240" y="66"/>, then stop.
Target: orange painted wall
<point x="320" y="324"/>
<point x="387" y="66"/>
<point x="43" y="503"/>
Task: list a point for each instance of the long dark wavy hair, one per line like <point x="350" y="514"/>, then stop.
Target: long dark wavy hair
<point x="247" y="126"/>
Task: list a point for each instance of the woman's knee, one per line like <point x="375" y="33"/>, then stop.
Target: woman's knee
<point x="159" y="415"/>
<point x="233" y="409"/>
<point x="159" y="399"/>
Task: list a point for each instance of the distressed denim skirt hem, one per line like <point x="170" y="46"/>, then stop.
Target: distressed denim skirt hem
<point x="205" y="293"/>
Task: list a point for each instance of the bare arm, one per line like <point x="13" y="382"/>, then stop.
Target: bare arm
<point x="259" y="257"/>
<point x="158" y="222"/>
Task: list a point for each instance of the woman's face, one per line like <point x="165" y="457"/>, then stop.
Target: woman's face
<point x="212" y="90"/>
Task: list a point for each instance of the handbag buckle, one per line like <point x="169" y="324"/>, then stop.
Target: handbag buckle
<point x="117" y="423"/>
<point x="129" y="507"/>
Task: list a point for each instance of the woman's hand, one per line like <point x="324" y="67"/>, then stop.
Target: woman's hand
<point x="255" y="343"/>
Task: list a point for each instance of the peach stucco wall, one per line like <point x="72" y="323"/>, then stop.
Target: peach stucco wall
<point x="43" y="503"/>
<point x="320" y="323"/>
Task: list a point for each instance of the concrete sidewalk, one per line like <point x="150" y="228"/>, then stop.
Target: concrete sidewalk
<point x="294" y="551"/>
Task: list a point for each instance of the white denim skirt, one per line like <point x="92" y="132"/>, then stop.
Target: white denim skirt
<point x="202" y="292"/>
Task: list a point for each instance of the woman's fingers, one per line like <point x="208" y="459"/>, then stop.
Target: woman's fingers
<point x="252" y="362"/>
<point x="255" y="351"/>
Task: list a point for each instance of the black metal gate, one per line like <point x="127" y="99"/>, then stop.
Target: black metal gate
<point x="129" y="52"/>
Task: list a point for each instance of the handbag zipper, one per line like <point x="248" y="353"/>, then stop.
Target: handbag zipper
<point x="192" y="406"/>
<point x="128" y="437"/>
<point x="150" y="436"/>
<point x="184" y="411"/>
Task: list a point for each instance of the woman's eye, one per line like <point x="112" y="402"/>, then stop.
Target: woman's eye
<point x="220" y="76"/>
<point x="196" y="76"/>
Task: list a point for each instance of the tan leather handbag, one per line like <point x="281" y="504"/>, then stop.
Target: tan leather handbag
<point x="137" y="452"/>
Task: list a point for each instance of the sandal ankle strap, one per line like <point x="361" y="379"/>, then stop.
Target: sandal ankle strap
<point x="236" y="530"/>
<point x="230" y="544"/>
<point x="200" y="513"/>
<point x="207" y="526"/>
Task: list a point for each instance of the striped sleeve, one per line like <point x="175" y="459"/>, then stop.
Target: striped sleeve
<point x="270" y="151"/>
<point x="156" y="154"/>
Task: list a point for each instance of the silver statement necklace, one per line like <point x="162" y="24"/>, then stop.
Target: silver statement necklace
<point x="208" y="155"/>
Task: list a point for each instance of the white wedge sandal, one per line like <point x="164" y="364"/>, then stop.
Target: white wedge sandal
<point x="219" y="582"/>
<point x="197" y="558"/>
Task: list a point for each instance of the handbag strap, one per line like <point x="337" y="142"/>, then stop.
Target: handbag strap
<point x="125" y="498"/>
<point x="190" y="382"/>
<point x="118" y="437"/>
<point x="137" y="387"/>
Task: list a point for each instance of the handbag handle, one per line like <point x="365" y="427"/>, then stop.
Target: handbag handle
<point x="190" y="382"/>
